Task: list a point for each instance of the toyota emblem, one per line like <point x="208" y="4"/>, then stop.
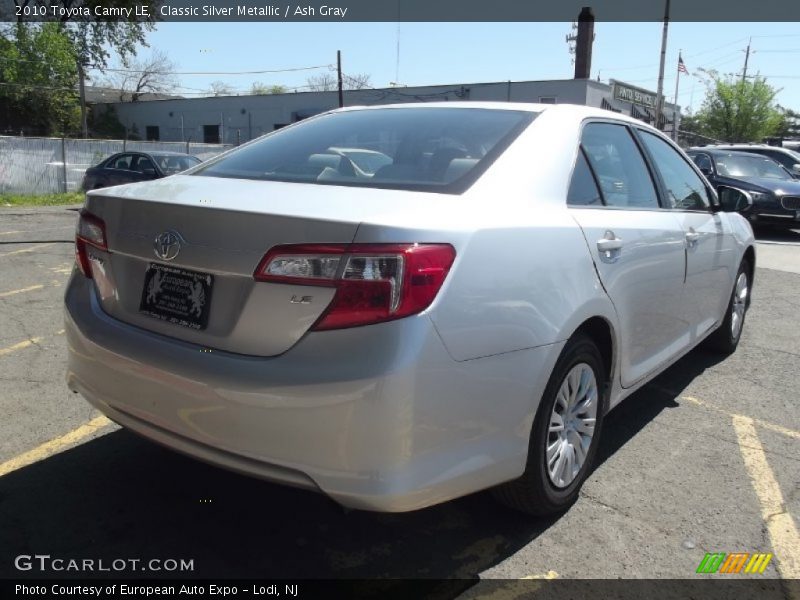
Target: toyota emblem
<point x="167" y="245"/>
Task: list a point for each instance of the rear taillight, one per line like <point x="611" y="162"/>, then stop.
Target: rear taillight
<point x="91" y="231"/>
<point x="374" y="282"/>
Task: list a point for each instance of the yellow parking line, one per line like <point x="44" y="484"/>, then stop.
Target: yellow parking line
<point x="19" y="346"/>
<point x="548" y="575"/>
<point x="21" y="291"/>
<point x="781" y="527"/>
<point x="765" y="424"/>
<point x="25" y="344"/>
<point x="53" y="446"/>
<point x="32" y="249"/>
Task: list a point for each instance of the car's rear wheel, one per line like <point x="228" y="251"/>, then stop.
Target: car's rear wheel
<point x="726" y="338"/>
<point x="564" y="435"/>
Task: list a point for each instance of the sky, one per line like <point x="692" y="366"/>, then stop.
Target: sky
<point x="446" y="53"/>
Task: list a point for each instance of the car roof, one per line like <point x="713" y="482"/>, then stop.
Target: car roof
<point x="741" y="147"/>
<point x="721" y="151"/>
<point x="564" y="110"/>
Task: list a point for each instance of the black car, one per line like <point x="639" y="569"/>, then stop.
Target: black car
<point x="775" y="193"/>
<point x="788" y="157"/>
<point x="129" y="167"/>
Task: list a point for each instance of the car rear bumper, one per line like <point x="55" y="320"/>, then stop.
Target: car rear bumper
<point x="378" y="418"/>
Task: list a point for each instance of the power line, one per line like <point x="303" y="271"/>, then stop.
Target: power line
<point x="293" y="69"/>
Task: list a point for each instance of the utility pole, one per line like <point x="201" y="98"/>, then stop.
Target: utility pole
<point x="339" y="76"/>
<point x="746" y="59"/>
<point x="675" y="101"/>
<point x="82" y="90"/>
<point x="660" y="92"/>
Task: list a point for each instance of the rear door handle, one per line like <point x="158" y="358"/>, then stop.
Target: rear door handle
<point x="609" y="245"/>
<point x="609" y="242"/>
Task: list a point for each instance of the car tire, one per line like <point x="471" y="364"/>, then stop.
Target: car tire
<point x="725" y="338"/>
<point x="539" y="491"/>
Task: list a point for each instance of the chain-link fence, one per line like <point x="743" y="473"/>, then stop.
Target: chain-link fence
<point x="51" y="165"/>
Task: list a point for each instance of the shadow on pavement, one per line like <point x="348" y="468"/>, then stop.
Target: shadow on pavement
<point x="120" y="496"/>
<point x="776" y="234"/>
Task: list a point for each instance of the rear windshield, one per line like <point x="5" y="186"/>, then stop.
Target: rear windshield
<point x="428" y="149"/>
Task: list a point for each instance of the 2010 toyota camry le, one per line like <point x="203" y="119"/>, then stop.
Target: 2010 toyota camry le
<point x="460" y="317"/>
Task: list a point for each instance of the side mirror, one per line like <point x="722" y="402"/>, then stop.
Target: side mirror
<point x="796" y="169"/>
<point x="733" y="199"/>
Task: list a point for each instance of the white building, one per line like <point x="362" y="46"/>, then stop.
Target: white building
<point x="236" y="119"/>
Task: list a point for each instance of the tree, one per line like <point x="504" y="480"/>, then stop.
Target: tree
<point x="154" y="75"/>
<point x="259" y="88"/>
<point x="94" y="40"/>
<point x="790" y="123"/>
<point x="328" y="82"/>
<point x="220" y="88"/>
<point x="738" y="111"/>
<point x="39" y="76"/>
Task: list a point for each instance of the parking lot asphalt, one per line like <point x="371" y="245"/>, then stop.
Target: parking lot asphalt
<point x="703" y="459"/>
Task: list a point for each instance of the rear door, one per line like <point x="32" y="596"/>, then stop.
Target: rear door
<point x="637" y="246"/>
<point x="710" y="251"/>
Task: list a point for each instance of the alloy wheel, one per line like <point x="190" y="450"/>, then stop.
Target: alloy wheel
<point x="739" y="305"/>
<point x="572" y="423"/>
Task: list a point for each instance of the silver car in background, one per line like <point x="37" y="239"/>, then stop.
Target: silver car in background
<point x="461" y="317"/>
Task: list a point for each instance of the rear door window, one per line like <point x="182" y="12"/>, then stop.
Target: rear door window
<point x="619" y="166"/>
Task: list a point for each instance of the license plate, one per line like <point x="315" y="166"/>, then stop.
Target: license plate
<point x="177" y="296"/>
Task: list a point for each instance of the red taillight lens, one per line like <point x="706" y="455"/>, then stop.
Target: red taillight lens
<point x="91" y="231"/>
<point x="374" y="282"/>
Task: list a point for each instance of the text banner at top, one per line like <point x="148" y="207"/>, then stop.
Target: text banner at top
<point x="396" y="10"/>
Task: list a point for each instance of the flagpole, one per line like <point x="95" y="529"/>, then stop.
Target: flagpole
<point x="675" y="100"/>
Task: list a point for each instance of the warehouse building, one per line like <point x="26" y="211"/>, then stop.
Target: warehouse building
<point x="237" y="119"/>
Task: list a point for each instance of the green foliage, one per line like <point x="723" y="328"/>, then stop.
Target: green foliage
<point x="40" y="74"/>
<point x="107" y="125"/>
<point x="790" y="123"/>
<point x="41" y="199"/>
<point x="259" y="88"/>
<point x="738" y="111"/>
<point x="94" y="40"/>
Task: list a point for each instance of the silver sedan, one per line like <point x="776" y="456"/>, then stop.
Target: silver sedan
<point x="460" y="317"/>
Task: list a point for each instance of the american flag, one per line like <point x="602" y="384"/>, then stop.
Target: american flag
<point x="681" y="66"/>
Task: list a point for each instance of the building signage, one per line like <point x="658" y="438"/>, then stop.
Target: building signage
<point x="634" y="95"/>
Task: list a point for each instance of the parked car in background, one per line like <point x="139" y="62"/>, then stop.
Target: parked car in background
<point x="775" y="193"/>
<point x="789" y="158"/>
<point x="131" y="167"/>
<point x="463" y="318"/>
